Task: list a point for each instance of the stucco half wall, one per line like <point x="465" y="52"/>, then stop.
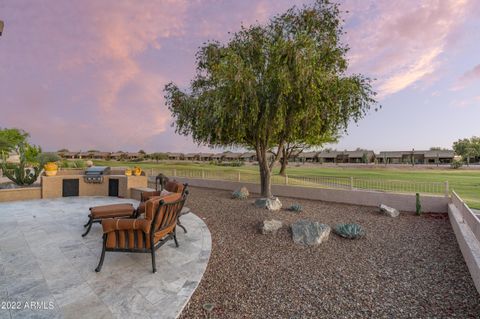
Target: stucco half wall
<point x="17" y="194"/>
<point x="402" y="202"/>
<point x="466" y="226"/>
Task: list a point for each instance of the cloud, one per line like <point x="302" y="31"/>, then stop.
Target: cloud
<point x="400" y="43"/>
<point x="93" y="56"/>
<point x="89" y="74"/>
<point x="466" y="102"/>
<point x="467" y="78"/>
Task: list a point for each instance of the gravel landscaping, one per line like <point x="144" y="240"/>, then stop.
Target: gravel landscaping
<point x="408" y="266"/>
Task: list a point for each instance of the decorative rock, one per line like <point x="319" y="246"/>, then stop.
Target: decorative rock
<point x="241" y="193"/>
<point x="310" y="233"/>
<point x="269" y="203"/>
<point x="389" y="211"/>
<point x="296" y="208"/>
<point x="270" y="226"/>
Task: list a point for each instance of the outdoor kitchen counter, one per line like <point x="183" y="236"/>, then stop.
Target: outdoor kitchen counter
<point x="63" y="185"/>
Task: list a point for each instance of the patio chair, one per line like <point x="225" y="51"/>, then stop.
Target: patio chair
<point x="160" y="182"/>
<point x="144" y="235"/>
<point x="168" y="187"/>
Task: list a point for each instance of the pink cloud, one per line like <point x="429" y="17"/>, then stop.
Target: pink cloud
<point x="467" y="78"/>
<point x="90" y="74"/>
<point x="92" y="56"/>
<point x="401" y="42"/>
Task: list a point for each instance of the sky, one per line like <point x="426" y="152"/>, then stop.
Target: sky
<point x="89" y="74"/>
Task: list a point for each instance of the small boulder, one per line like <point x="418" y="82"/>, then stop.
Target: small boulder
<point x="310" y="233"/>
<point x="389" y="211"/>
<point x="241" y="193"/>
<point x="270" y="226"/>
<point x="269" y="203"/>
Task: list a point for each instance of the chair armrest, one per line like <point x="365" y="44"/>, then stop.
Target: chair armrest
<point x="113" y="224"/>
<point x="147" y="195"/>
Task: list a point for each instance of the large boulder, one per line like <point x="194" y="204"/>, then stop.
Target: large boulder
<point x="269" y="203"/>
<point x="241" y="193"/>
<point x="310" y="233"/>
<point x="270" y="226"/>
<point x="389" y="211"/>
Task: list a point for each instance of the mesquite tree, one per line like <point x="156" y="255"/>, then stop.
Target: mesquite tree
<point x="272" y="84"/>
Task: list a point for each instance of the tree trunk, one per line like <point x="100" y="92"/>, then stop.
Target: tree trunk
<point x="265" y="173"/>
<point x="284" y="162"/>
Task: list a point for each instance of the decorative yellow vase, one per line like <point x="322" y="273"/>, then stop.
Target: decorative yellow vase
<point x="128" y="172"/>
<point x="137" y="171"/>
<point x="51" y="169"/>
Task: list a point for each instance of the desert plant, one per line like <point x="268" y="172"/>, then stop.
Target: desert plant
<point x="418" y="206"/>
<point x="63" y="163"/>
<point x="20" y="174"/>
<point x="456" y="164"/>
<point x="297" y="208"/>
<point x="239" y="195"/>
<point x="44" y="158"/>
<point x="231" y="164"/>
<point x="79" y="164"/>
<point x="350" y="231"/>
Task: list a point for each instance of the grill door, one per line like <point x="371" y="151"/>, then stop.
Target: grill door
<point x="70" y="187"/>
<point x="113" y="187"/>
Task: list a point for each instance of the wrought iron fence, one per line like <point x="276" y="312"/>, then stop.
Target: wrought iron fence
<point x="332" y="182"/>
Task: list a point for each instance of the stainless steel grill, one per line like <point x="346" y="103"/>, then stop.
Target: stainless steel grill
<point x="95" y="174"/>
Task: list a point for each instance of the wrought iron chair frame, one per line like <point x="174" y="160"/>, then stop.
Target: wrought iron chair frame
<point x="153" y="247"/>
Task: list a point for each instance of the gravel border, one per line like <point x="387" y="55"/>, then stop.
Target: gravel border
<point x="405" y="267"/>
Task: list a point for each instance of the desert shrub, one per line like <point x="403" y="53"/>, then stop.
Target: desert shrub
<point x="44" y="158"/>
<point x="456" y="164"/>
<point x="239" y="194"/>
<point x="64" y="163"/>
<point x="79" y="164"/>
<point x="350" y="231"/>
<point x="297" y="208"/>
<point x="72" y="164"/>
<point x="232" y="164"/>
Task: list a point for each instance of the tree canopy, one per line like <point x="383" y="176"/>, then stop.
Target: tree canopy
<point x="10" y="138"/>
<point x="283" y="82"/>
<point x="468" y="148"/>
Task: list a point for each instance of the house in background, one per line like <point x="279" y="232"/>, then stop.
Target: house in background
<point x="230" y="156"/>
<point x="175" y="156"/>
<point x="191" y="157"/>
<point x="101" y="155"/>
<point x="117" y="155"/>
<point x="361" y="156"/>
<point x="248" y="157"/>
<point x="205" y="157"/>
<point x="327" y="156"/>
<point x="84" y="155"/>
<point x="216" y="157"/>
<point x="418" y="157"/>
<point x="439" y="157"/>
<point x="308" y="157"/>
<point x="133" y="155"/>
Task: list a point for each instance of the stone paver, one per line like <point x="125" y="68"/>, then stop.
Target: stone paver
<point x="47" y="268"/>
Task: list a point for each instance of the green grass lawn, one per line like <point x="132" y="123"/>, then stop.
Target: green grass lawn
<point x="466" y="183"/>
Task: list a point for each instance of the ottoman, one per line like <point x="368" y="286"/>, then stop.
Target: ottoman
<point x="98" y="213"/>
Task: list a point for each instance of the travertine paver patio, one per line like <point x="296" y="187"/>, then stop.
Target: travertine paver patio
<point x="44" y="259"/>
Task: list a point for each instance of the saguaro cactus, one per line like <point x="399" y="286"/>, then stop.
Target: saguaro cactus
<point x="418" y="205"/>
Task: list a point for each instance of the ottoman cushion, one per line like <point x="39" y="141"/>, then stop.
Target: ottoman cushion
<point x="111" y="211"/>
